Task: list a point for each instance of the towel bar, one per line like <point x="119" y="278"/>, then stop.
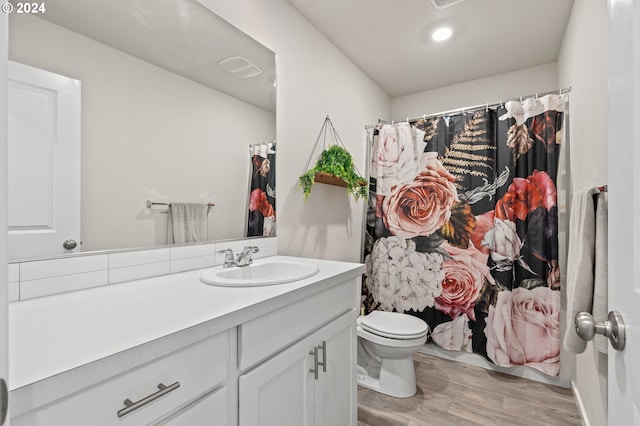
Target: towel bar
<point x="159" y="203"/>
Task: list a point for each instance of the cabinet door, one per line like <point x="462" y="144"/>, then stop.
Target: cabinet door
<point x="336" y="388"/>
<point x="280" y="391"/>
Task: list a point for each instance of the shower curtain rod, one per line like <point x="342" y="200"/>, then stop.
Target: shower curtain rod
<point x="471" y="108"/>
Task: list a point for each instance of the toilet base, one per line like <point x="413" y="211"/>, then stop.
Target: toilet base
<point x="397" y="378"/>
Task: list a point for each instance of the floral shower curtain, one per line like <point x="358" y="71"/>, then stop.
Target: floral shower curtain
<point x="462" y="229"/>
<point x="262" y="191"/>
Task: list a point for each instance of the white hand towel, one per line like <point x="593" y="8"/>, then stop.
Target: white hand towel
<point x="187" y="223"/>
<point x="587" y="258"/>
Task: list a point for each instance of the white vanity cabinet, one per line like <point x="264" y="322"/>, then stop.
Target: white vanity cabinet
<point x="312" y="382"/>
<point x="273" y="355"/>
<point x="184" y="384"/>
<point x="309" y="383"/>
<point x="336" y="388"/>
<point x="280" y="391"/>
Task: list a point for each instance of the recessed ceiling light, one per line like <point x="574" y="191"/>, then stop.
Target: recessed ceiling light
<point x="442" y="34"/>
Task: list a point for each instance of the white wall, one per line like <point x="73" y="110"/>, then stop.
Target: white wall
<point x="147" y="133"/>
<point x="582" y="64"/>
<point x="314" y="80"/>
<point x="527" y="81"/>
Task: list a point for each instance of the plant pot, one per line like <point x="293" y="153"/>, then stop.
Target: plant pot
<point x="329" y="179"/>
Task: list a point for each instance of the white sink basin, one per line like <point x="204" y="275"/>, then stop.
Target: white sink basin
<point x="259" y="274"/>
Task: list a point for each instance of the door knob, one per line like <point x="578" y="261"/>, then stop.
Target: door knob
<point x="613" y="329"/>
<point x="69" y="244"/>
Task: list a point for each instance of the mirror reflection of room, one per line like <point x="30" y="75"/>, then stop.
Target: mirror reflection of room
<point x="158" y="120"/>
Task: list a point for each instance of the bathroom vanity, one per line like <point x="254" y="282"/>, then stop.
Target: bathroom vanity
<point x="171" y="350"/>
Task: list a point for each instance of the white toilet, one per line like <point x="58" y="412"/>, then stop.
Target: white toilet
<point x="386" y="344"/>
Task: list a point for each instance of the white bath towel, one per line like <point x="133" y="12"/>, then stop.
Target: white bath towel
<point x="586" y="264"/>
<point x="187" y="223"/>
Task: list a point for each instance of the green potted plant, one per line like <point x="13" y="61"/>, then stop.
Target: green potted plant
<point x="335" y="167"/>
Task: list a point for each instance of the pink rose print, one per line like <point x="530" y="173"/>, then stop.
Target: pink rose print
<point x="420" y="207"/>
<point x="464" y="275"/>
<point x="524" y="329"/>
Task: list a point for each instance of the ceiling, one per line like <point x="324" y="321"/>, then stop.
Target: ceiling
<point x="390" y="40"/>
<point x="181" y="36"/>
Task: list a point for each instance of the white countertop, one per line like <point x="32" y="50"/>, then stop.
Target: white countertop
<point x="52" y="335"/>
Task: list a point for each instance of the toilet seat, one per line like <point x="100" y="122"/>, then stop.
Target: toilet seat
<point x="391" y="341"/>
<point x="393" y="325"/>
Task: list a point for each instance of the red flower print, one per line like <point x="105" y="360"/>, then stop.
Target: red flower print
<point x="525" y="195"/>
<point x="258" y="201"/>
<point x="484" y="223"/>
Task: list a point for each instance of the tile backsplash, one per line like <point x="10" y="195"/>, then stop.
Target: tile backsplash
<point x="39" y="278"/>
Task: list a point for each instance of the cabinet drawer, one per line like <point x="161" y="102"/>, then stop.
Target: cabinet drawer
<point x="197" y="368"/>
<point x="210" y="410"/>
<point x="293" y="322"/>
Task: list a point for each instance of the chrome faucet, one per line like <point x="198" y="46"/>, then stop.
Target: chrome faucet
<point x="229" y="259"/>
<point x="244" y="257"/>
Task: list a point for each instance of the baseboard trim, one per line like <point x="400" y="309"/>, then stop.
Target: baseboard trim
<point x="581" y="409"/>
<point x="479" y="361"/>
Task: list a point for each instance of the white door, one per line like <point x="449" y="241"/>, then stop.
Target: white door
<point x="44" y="162"/>
<point x="4" y="353"/>
<point x="336" y="396"/>
<point x="280" y="391"/>
<point x="624" y="207"/>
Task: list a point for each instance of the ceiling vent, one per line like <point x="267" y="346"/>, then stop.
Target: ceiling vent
<point x="240" y="67"/>
<point x="443" y="4"/>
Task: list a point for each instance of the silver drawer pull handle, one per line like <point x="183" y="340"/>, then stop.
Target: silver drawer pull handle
<point x="314" y="370"/>
<point x="132" y="406"/>
<point x="324" y="356"/>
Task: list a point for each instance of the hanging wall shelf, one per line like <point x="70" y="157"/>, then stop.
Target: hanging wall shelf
<point x="335" y="165"/>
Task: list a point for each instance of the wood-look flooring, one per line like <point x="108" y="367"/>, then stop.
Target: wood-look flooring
<point x="454" y="393"/>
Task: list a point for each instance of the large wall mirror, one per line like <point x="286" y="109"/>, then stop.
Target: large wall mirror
<point x="160" y="118"/>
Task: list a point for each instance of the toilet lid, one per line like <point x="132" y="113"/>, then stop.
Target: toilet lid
<point x="393" y="324"/>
